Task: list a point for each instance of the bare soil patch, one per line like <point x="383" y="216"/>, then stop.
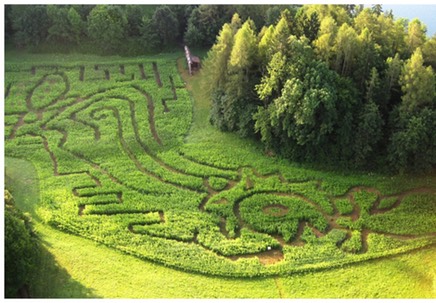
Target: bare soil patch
<point x="141" y="70"/>
<point x="266" y="258"/>
<point x="82" y="73"/>
<point x="156" y="74"/>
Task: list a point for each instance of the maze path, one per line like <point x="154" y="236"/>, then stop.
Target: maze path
<point x="241" y="183"/>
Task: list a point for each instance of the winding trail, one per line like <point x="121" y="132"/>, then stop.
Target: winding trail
<point x="267" y="257"/>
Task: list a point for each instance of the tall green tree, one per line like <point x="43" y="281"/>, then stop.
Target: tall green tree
<point x="369" y="128"/>
<point x="412" y="144"/>
<point x="338" y="12"/>
<point x="265" y="44"/>
<point x="367" y="19"/>
<point x="166" y="25"/>
<point x="307" y="25"/>
<point x="107" y="27"/>
<point x="415" y="35"/>
<point x="417" y="83"/>
<point x="60" y="30"/>
<point x="272" y="15"/>
<point x="215" y="65"/>
<point x="367" y="58"/>
<point x="134" y="15"/>
<point x="346" y="49"/>
<point x="205" y="23"/>
<point x="391" y="35"/>
<point x="413" y="140"/>
<point x="242" y="66"/>
<point x="429" y="52"/>
<point x="282" y="32"/>
<point x="30" y="24"/>
<point x="150" y="40"/>
<point x="303" y="106"/>
<point x="326" y="38"/>
<point x="77" y="25"/>
<point x="182" y="13"/>
<point x="392" y="86"/>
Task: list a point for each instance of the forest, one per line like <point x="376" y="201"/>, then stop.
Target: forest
<point x="346" y="86"/>
<point x="322" y="85"/>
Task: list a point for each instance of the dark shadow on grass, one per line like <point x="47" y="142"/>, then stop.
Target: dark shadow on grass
<point x="53" y="281"/>
<point x="49" y="280"/>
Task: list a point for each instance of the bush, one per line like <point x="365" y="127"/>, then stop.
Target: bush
<point x="21" y="249"/>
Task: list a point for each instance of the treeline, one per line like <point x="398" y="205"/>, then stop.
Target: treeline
<point x="343" y="85"/>
<point x="124" y="29"/>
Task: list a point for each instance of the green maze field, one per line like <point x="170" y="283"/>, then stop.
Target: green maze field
<point x="108" y="139"/>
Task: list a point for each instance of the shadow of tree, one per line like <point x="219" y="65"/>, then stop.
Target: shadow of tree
<point x="49" y="279"/>
<point x="52" y="281"/>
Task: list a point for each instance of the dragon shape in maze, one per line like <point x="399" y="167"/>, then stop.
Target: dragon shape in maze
<point x="289" y="208"/>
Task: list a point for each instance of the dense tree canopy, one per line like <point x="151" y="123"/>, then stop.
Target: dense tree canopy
<point x="125" y="29"/>
<point x="107" y="26"/>
<point x="333" y="84"/>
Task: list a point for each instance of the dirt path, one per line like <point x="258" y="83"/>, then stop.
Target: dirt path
<point x="156" y="74"/>
<point x="141" y="70"/>
<point x="17" y="125"/>
<point x="151" y="121"/>
<point x="150" y="107"/>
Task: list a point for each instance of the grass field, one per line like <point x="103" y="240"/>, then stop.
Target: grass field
<point x="169" y="185"/>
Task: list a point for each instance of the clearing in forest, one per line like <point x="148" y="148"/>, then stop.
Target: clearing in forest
<point x="108" y="141"/>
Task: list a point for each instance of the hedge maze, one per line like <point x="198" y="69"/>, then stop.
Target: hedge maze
<point x="107" y="139"/>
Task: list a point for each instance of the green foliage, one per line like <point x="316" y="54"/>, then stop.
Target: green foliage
<point x="218" y="183"/>
<point x="344" y="206"/>
<point x="305" y="114"/>
<point x="62" y="30"/>
<point x="204" y="24"/>
<point x="315" y="112"/>
<point x="429" y="52"/>
<point x="107" y="26"/>
<point x="166" y="25"/>
<point x="354" y="244"/>
<point x="387" y="202"/>
<point x="280" y="215"/>
<point x="412" y="144"/>
<point x="369" y="132"/>
<point x="115" y="166"/>
<point x="415" y="35"/>
<point x="230" y="65"/>
<point x="21" y="248"/>
<point x="417" y="84"/>
<point x="30" y="23"/>
<point x="414" y="216"/>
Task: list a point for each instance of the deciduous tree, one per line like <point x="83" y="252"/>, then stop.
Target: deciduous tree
<point x="417" y="84"/>
<point x="107" y="26"/>
<point x="415" y="35"/>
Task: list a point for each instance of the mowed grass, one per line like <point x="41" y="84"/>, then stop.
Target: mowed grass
<point x="77" y="268"/>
